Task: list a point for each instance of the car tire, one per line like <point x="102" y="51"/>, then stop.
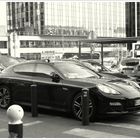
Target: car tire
<point x="5" y="97"/>
<point x="77" y="108"/>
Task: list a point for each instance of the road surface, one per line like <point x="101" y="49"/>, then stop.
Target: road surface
<point x="60" y="125"/>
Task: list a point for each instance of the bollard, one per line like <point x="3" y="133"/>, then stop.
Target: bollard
<point x="85" y="106"/>
<point x="34" y="108"/>
<point x="15" y="126"/>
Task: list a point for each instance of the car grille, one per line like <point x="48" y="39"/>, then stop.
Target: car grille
<point x="132" y="63"/>
<point x="130" y="105"/>
<point x="128" y="68"/>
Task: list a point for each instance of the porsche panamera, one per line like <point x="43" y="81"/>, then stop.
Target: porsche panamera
<point x="59" y="87"/>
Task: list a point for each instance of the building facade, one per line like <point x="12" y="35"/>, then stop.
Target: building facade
<point x="132" y="19"/>
<point x="62" y="20"/>
<point x="4" y="45"/>
<point x="132" y="10"/>
<point x="106" y="19"/>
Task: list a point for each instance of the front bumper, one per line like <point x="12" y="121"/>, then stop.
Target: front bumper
<point x="137" y="80"/>
<point x="125" y="106"/>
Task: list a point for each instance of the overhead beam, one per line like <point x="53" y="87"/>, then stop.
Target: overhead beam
<point x="112" y="40"/>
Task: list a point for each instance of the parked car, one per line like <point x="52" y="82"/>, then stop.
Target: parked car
<point x="59" y="87"/>
<point x="104" y="71"/>
<point x="6" y="61"/>
<point x="130" y="67"/>
<point x="96" y="56"/>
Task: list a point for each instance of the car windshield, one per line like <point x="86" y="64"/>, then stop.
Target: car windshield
<point x="72" y="70"/>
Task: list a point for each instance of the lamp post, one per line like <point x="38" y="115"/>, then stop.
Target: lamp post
<point x="136" y="28"/>
<point x="62" y="42"/>
<point x="14" y="40"/>
<point x="8" y="44"/>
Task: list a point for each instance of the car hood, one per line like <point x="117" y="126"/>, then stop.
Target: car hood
<point x="126" y="90"/>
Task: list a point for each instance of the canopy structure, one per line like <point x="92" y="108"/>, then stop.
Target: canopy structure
<point x="108" y="40"/>
<point x="112" y="40"/>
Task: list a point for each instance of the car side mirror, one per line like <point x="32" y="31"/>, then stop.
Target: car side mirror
<point x="122" y="72"/>
<point x="55" y="77"/>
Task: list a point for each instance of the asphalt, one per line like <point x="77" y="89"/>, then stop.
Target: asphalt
<point x="50" y="124"/>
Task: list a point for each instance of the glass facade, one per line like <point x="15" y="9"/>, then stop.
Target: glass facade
<point x="31" y="56"/>
<point x="106" y="19"/>
<point x="48" y="44"/>
<point x="130" y="19"/>
<point x="132" y="10"/>
<point x="25" y="17"/>
<point x="61" y="24"/>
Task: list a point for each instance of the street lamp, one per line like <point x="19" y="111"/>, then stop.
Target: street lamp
<point x="14" y="41"/>
<point x="8" y="44"/>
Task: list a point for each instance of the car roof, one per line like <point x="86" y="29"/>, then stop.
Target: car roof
<point x="91" y="60"/>
<point x="42" y="61"/>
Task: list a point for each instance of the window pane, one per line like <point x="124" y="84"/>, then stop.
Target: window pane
<point x="46" y="69"/>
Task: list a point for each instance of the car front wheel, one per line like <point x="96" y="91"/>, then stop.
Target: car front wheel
<point x="77" y="107"/>
<point x="5" y="97"/>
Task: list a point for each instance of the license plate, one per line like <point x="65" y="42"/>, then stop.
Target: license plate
<point x="137" y="102"/>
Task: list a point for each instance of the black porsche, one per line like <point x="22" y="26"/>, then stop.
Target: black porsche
<point x="59" y="86"/>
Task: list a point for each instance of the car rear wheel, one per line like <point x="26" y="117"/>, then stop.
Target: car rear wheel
<point x="77" y="108"/>
<point x="5" y="97"/>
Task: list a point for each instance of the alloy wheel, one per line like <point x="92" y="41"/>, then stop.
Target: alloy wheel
<point x="4" y="97"/>
<point x="77" y="107"/>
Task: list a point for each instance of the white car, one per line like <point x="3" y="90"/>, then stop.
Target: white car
<point x="129" y="66"/>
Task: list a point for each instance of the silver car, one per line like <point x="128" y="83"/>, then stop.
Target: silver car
<point x="129" y="66"/>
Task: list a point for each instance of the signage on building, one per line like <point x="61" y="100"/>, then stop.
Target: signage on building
<point x="66" y="31"/>
<point x="50" y="55"/>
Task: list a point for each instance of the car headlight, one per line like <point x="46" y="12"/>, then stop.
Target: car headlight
<point x="107" y="89"/>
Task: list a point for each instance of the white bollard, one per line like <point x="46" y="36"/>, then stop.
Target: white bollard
<point x="15" y="114"/>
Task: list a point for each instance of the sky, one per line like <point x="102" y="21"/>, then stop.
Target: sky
<point x="2" y="13"/>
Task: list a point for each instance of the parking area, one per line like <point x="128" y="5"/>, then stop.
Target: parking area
<point x="57" y="125"/>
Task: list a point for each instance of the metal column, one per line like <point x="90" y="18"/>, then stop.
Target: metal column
<point x="102" y="57"/>
<point x="79" y="49"/>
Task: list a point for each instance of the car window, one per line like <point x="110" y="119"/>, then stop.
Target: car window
<point x="45" y="69"/>
<point x="73" y="70"/>
<point x="68" y="55"/>
<point x="85" y="56"/>
<point x="25" y="68"/>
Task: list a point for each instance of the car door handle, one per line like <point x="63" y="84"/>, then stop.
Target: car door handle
<point x="64" y="88"/>
<point x="21" y="84"/>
